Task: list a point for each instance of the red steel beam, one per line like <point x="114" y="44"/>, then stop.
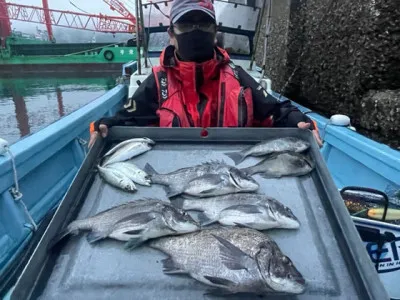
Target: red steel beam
<point x="47" y="19"/>
<point x="5" y="26"/>
<point x="68" y="19"/>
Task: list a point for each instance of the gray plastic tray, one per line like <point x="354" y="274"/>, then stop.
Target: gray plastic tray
<point x="326" y="249"/>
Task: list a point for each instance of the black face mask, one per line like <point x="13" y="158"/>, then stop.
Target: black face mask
<point x="196" y="46"/>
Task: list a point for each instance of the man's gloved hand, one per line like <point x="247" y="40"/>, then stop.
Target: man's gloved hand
<point x="103" y="130"/>
<point x="304" y="125"/>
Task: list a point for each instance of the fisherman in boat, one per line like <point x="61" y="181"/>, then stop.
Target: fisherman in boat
<point x="197" y="85"/>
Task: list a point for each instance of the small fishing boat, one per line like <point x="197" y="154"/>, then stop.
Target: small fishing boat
<point x="37" y="171"/>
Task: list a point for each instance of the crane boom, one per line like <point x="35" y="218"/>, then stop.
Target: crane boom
<point x="68" y="19"/>
<point x="121" y="9"/>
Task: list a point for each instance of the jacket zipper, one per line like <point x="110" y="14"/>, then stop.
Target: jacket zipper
<point x="242" y="104"/>
<point x="222" y="106"/>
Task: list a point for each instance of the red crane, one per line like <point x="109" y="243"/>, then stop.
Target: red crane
<point x="62" y="18"/>
<point x="121" y="9"/>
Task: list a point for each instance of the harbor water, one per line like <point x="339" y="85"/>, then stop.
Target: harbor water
<point x="29" y="104"/>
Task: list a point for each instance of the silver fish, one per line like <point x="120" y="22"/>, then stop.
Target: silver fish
<point x="134" y="222"/>
<point x="125" y="143"/>
<point x="248" y="209"/>
<point x="117" y="179"/>
<point x="234" y="260"/>
<point x="127" y="150"/>
<point x="277" y="145"/>
<point x="177" y="181"/>
<point x="220" y="184"/>
<point x="282" y="164"/>
<point x="132" y="172"/>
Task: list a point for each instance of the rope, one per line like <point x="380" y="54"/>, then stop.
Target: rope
<point x="17" y="195"/>
<point x="14" y="169"/>
<point x="267" y="32"/>
<point x="78" y="7"/>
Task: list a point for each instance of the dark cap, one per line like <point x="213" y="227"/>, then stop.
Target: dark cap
<point x="181" y="7"/>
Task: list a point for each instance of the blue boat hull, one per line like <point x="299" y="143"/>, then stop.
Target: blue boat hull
<point x="355" y="160"/>
<point x="48" y="160"/>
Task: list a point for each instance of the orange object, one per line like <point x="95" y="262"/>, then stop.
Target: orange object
<point x="315" y="125"/>
<point x="91" y="127"/>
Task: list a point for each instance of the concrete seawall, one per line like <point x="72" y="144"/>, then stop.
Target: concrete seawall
<point x="338" y="56"/>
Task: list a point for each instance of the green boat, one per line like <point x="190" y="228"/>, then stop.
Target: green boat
<point x="27" y="56"/>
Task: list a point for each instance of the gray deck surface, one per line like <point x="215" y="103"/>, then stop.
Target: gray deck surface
<point x="106" y="271"/>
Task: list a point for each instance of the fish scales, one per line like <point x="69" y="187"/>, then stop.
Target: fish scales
<point x="282" y="164"/>
<point x="277" y="145"/>
<point x="252" y="264"/>
<point x="253" y="210"/>
<point x="135" y="222"/>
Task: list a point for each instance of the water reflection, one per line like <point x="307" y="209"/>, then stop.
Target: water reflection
<point x="29" y="104"/>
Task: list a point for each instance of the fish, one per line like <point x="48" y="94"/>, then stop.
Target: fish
<point x="133" y="222"/>
<point x="127" y="142"/>
<point x="132" y="172"/>
<point x="251" y="210"/>
<point x="117" y="179"/>
<point x="278" y="165"/>
<point x="127" y="150"/>
<point x="277" y="145"/>
<point x="177" y="181"/>
<point x="233" y="260"/>
<point x="220" y="184"/>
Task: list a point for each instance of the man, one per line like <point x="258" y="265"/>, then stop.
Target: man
<point x="196" y="84"/>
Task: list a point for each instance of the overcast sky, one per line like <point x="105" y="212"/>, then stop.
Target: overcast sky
<point x="98" y="6"/>
<point x="90" y="6"/>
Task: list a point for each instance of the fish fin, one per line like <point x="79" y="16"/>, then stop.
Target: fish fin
<point x="134" y="232"/>
<point x="169" y="267"/>
<point x="172" y="191"/>
<point x="95" y="236"/>
<point x="219" y="281"/>
<point x="213" y="179"/>
<point x="248" y="225"/>
<point x="246" y="208"/>
<point x="204" y="220"/>
<point x="265" y="175"/>
<point x="232" y="257"/>
<point x="237" y="157"/>
<point x="133" y="243"/>
<point x="139" y="218"/>
<point x="150" y="170"/>
<point x="178" y="202"/>
<point x="214" y="162"/>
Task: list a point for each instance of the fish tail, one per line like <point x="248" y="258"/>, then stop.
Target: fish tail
<point x="237" y="157"/>
<point x="178" y="202"/>
<point x="249" y="171"/>
<point x="148" y="168"/>
<point x="204" y="219"/>
<point x="172" y="191"/>
<point x="72" y="228"/>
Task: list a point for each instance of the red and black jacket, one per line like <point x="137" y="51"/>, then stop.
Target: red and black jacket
<point x="215" y="93"/>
